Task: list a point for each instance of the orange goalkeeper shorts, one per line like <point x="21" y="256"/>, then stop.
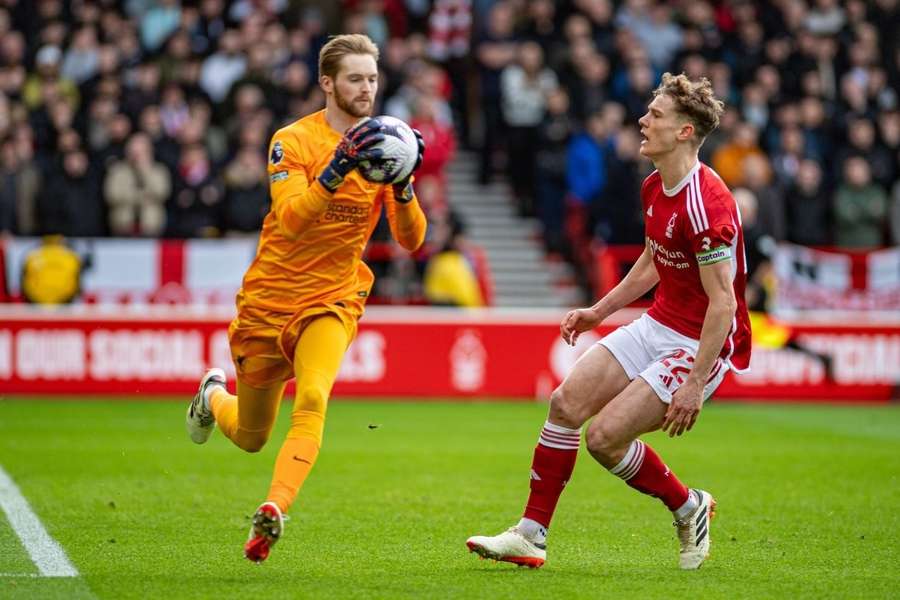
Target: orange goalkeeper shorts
<point x="262" y="342"/>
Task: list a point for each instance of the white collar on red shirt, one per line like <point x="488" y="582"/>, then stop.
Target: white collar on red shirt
<point x="684" y="181"/>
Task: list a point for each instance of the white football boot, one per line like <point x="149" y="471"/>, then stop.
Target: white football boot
<point x="267" y="527"/>
<point x="200" y="420"/>
<point x="510" y="546"/>
<point x="693" y="532"/>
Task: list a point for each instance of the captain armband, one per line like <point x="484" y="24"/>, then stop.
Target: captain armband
<point x="713" y="256"/>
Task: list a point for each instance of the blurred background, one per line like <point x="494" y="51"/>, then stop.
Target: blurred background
<point x="133" y="139"/>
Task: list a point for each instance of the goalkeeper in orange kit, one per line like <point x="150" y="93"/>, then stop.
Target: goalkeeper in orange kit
<point x="301" y="298"/>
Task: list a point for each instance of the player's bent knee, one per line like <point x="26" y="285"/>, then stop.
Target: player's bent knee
<point x="601" y="441"/>
<point x="565" y="408"/>
<point x="310" y="398"/>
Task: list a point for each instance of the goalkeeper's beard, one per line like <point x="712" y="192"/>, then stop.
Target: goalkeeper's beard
<point x="351" y="108"/>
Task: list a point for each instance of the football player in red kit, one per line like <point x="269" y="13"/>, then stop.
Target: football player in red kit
<point x="656" y="372"/>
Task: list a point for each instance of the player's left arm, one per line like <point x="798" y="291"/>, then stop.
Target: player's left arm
<point x="405" y="216"/>
<point x="688" y="399"/>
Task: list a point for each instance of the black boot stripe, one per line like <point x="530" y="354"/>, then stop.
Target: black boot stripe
<point x="700" y="514"/>
<point x="700" y="535"/>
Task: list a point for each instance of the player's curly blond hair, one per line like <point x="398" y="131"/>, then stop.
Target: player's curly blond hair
<point x="693" y="99"/>
<point x="340" y="46"/>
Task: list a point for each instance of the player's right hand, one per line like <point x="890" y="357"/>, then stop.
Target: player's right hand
<point x="577" y="322"/>
<point x="356" y="145"/>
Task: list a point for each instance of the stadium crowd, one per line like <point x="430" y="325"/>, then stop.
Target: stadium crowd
<point x="152" y="117"/>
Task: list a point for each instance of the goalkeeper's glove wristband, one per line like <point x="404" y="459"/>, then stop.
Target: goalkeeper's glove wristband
<point x="333" y="176"/>
<point x="403" y="191"/>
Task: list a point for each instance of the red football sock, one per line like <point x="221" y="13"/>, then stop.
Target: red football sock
<point x="551" y="468"/>
<point x="643" y="470"/>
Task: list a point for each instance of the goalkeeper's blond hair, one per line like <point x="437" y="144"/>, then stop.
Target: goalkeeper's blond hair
<point x="695" y="100"/>
<point x="340" y="46"/>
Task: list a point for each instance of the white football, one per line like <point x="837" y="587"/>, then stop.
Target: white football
<point x="400" y="151"/>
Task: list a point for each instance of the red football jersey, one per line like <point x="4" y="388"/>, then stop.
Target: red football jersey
<point x="696" y="223"/>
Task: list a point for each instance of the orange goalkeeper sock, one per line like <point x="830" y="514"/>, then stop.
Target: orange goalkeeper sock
<point x="295" y="460"/>
<point x="224" y="408"/>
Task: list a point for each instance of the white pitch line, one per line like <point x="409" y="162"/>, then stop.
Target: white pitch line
<point x="46" y="554"/>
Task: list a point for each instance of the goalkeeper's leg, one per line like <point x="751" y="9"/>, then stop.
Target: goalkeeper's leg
<point x="317" y="359"/>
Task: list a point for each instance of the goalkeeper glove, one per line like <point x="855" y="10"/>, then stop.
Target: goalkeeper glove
<point x="403" y="190"/>
<point x="356" y="145"/>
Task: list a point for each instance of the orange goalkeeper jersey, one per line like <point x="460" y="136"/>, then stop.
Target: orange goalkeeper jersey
<point x="311" y="244"/>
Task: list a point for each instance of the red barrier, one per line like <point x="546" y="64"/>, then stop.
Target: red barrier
<point x="407" y="352"/>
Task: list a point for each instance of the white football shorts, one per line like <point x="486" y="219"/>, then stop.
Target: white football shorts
<point x="660" y="356"/>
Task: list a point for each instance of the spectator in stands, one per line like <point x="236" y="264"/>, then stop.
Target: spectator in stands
<point x="82" y="58"/>
<point x="808" y="213"/>
<point x="889" y="132"/>
<point x="196" y="201"/>
<point x="439" y="139"/>
<point x="450" y="278"/>
<point x="46" y="83"/>
<point x="22" y="179"/>
<point x="553" y="138"/>
<point x="495" y="50"/>
<point x="199" y="129"/>
<point x="164" y="147"/>
<point x="586" y="179"/>
<point x="246" y="191"/>
<point x="420" y="80"/>
<point x="174" y="111"/>
<point x="8" y="197"/>
<point x="758" y="178"/>
<point x="617" y="214"/>
<point x="69" y="202"/>
<point x="12" y="62"/>
<point x="159" y="22"/>
<point x="143" y="89"/>
<point x="653" y="26"/>
<point x="524" y="87"/>
<point x="860" y="207"/>
<point x="815" y="127"/>
<point x="586" y="171"/>
<point x="791" y="152"/>
<point x="111" y="146"/>
<point x="136" y="191"/>
<point x="540" y="26"/>
<point x="760" y="247"/>
<point x="248" y="100"/>
<point x="639" y="80"/>
<point x="589" y="84"/>
<point x="176" y="59"/>
<point x="223" y="68"/>
<point x="728" y="161"/>
<point x="862" y="141"/>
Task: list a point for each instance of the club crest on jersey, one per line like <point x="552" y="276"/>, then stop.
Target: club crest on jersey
<point x="650" y="211"/>
<point x="277" y="153"/>
<point x="671" y="226"/>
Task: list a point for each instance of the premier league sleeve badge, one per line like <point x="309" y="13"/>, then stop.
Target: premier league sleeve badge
<point x="277" y="153"/>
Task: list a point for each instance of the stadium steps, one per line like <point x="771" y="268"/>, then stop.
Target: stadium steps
<point x="523" y="277"/>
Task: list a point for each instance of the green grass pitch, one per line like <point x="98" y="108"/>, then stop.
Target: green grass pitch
<point x="809" y="505"/>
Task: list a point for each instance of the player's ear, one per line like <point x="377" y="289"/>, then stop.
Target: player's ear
<point x="687" y="131"/>
<point x="326" y="83"/>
